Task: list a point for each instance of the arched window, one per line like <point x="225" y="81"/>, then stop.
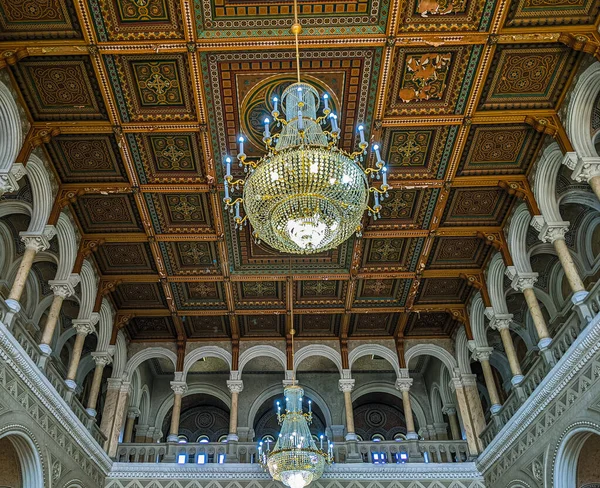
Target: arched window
<point x="182" y="439"/>
<point x="222" y="438"/>
<point x="377" y="438"/>
<point x="203" y="439"/>
<point x="399" y="437"/>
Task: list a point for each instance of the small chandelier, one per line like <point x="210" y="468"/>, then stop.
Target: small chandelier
<point x="306" y="194"/>
<point x="295" y="460"/>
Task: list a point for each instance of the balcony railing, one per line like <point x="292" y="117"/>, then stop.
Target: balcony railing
<point x="383" y="452"/>
<point x="565" y="335"/>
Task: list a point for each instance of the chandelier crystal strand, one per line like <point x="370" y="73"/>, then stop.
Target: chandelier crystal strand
<point x="306" y="194"/>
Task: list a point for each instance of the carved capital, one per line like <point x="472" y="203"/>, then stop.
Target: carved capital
<point x="584" y="169"/>
<point x="403" y="384"/>
<point x="9" y="180"/>
<point x="133" y="412"/>
<point x="65" y="288"/>
<point x="549" y="231"/>
<point x="346" y="385"/>
<point x="102" y="358"/>
<point x="235" y="386"/>
<point x="501" y="321"/>
<point x="449" y="409"/>
<point x="39" y="242"/>
<point x="522" y="281"/>
<point x="482" y="353"/>
<point x="178" y="387"/>
<point x="84" y="326"/>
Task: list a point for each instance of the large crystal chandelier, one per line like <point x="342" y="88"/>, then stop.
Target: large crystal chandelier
<point x="295" y="460"/>
<point x="306" y="194"/>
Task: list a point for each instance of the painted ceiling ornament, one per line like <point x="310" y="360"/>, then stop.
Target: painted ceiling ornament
<point x="305" y="195"/>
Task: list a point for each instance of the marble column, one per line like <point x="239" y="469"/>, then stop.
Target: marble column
<point x="34" y="243"/>
<point x="115" y="411"/>
<point x="235" y="387"/>
<point x="482" y="354"/>
<point x="450" y="411"/>
<point x="132" y="414"/>
<point x="403" y="384"/>
<point x="471" y="412"/>
<point x="554" y="232"/>
<point x="179" y="388"/>
<point x="62" y="289"/>
<point x="585" y="169"/>
<point x="501" y="323"/>
<point x="524" y="283"/>
<point x="83" y="327"/>
<point x="346" y="385"/>
<point x="101" y="359"/>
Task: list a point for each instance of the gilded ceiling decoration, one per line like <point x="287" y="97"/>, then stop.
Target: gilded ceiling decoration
<point x="140" y="101"/>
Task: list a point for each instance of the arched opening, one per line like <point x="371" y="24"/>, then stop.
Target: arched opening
<point x="588" y="469"/>
<point x="379" y="416"/>
<point x="576" y="462"/>
<point x="20" y="463"/>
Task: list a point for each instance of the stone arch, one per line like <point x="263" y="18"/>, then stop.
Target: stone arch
<point x="436" y="402"/>
<point x="205" y="352"/>
<point x="7" y="251"/>
<point x="119" y="352"/>
<point x="579" y="113"/>
<point x="88" y="291"/>
<point x="381" y="387"/>
<point x="318" y="350"/>
<point x="276" y="389"/>
<point x="566" y="454"/>
<point x="67" y="247"/>
<point x="495" y="282"/>
<point x="477" y="318"/>
<point x="86" y="365"/>
<point x="105" y="325"/>
<point x="517" y="239"/>
<point x="377" y="350"/>
<point x="30" y="458"/>
<point x="435" y="351"/>
<point x="260" y="351"/>
<point x="144" y="405"/>
<point x="463" y="356"/>
<point x="11" y="135"/>
<point x="39" y="179"/>
<point x="144" y="355"/>
<point x="544" y="187"/>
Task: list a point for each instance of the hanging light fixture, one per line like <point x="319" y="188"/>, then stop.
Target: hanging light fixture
<point x="295" y="460"/>
<point x="306" y="194"/>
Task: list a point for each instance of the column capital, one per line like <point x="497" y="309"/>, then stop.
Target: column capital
<point x="469" y="379"/>
<point x="501" y="321"/>
<point x="235" y="386"/>
<point x="84" y="326"/>
<point x="346" y="384"/>
<point x="403" y="384"/>
<point x="482" y="353"/>
<point x="102" y="358"/>
<point x="178" y="387"/>
<point x="38" y="241"/>
<point x="584" y="168"/>
<point x="549" y="231"/>
<point x="114" y="383"/>
<point x="449" y="409"/>
<point x="133" y="412"/>
<point x="65" y="288"/>
<point x="521" y="280"/>
<point x="9" y="179"/>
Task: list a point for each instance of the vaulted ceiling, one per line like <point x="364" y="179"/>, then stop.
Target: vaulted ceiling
<point x="136" y="103"/>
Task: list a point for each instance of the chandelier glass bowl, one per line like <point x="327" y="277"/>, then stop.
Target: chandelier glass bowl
<point x="305" y="195"/>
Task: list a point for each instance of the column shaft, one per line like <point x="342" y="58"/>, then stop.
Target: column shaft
<point x="536" y="314"/>
<point x="174" y="431"/>
<point x="22" y="274"/>
<point x="53" y="315"/>
<point x="511" y="354"/>
<point x="454" y="427"/>
<point x="410" y="422"/>
<point x="489" y="382"/>
<point x="595" y="184"/>
<point x="568" y="265"/>
<point x="117" y="423"/>
<point x="349" y="412"/>
<point x="76" y="357"/>
<point x="128" y="429"/>
<point x="96" y="381"/>
<point x="233" y="415"/>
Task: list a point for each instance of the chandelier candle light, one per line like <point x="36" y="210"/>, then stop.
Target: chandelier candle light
<point x="306" y="194"/>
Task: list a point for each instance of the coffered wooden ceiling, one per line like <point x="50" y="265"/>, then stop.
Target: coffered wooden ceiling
<point x="136" y="102"/>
